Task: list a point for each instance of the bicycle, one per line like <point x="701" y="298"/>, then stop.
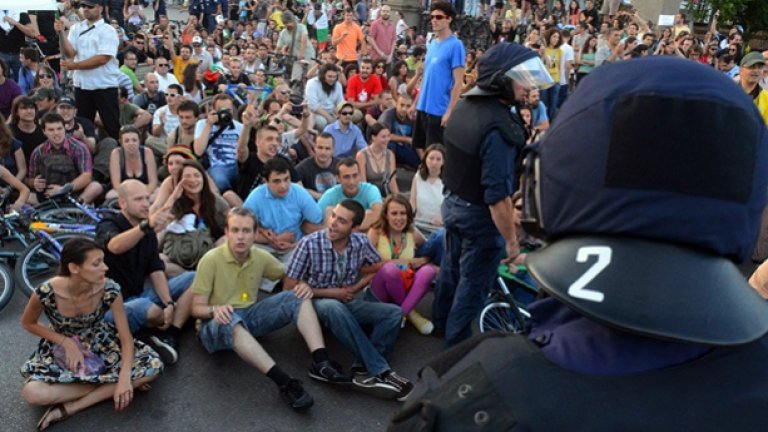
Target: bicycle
<point x="502" y="311"/>
<point x="64" y="208"/>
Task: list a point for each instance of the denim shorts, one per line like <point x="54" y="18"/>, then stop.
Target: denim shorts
<point x="136" y="307"/>
<point x="261" y="318"/>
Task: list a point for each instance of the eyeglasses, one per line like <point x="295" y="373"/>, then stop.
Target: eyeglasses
<point x="285" y="92"/>
<point x="346" y="113"/>
<point x="173" y="95"/>
<point x="438" y="17"/>
<point x="162" y="64"/>
<point x="45" y="76"/>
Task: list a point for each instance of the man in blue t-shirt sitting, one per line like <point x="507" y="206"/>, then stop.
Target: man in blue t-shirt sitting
<point x="350" y="187"/>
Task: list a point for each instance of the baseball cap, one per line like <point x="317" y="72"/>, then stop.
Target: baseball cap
<point x="342" y="104"/>
<point x="45" y="93"/>
<point x="90" y="2"/>
<point x="67" y="100"/>
<point x="752" y="59"/>
<point x="645" y="224"/>
<point x="197" y="40"/>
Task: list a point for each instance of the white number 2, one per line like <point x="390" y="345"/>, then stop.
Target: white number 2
<point x="577" y="289"/>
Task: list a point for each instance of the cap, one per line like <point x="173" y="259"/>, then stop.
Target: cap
<point x="180" y="150"/>
<point x="67" y="100"/>
<point x="90" y="2"/>
<point x="197" y="40"/>
<point x="752" y="59"/>
<point x="342" y="104"/>
<point x="645" y="223"/>
<point x="288" y="17"/>
<point x="45" y="93"/>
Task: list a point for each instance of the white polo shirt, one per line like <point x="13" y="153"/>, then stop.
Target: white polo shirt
<point x="89" y="41"/>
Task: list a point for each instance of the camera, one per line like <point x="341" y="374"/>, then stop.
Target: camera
<point x="224" y="118"/>
<point x="297" y="109"/>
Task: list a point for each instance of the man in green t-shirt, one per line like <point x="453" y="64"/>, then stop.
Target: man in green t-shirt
<point x="225" y="293"/>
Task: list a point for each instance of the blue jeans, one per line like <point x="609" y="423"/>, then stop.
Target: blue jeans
<point x="434" y="247"/>
<point x="473" y="249"/>
<point x="562" y="94"/>
<point x="404" y="154"/>
<point x="13" y="63"/>
<point x="261" y="318"/>
<point x="549" y="97"/>
<point x="224" y="176"/>
<point x="136" y="307"/>
<point x="344" y="321"/>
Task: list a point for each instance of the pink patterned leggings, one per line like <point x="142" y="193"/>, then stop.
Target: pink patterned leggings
<point x="387" y="286"/>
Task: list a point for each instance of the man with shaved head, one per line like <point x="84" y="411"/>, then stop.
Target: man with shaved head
<point x="152" y="97"/>
<point x="132" y="253"/>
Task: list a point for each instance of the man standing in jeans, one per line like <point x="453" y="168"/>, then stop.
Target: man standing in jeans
<point x="14" y="25"/>
<point x="92" y="44"/>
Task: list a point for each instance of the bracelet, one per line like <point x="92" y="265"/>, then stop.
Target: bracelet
<point x="211" y="310"/>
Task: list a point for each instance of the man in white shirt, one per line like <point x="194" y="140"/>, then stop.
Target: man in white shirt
<point x="164" y="77"/>
<point x="566" y="66"/>
<point x="323" y="93"/>
<point x="92" y="45"/>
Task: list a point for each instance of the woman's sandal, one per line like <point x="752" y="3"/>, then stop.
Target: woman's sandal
<point x="62" y="411"/>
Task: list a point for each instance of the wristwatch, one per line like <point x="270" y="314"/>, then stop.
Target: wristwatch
<point x="170" y="303"/>
<point x="144" y="226"/>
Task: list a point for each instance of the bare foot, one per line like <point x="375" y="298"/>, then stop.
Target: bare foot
<point x="144" y="387"/>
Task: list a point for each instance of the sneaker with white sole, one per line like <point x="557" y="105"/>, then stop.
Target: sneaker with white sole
<point x="328" y="371"/>
<point x="165" y="345"/>
<point x="388" y="385"/>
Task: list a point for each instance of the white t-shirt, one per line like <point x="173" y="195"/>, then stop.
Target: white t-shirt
<point x="223" y="151"/>
<point x="567" y="55"/>
<point x="165" y="81"/>
<point x="89" y="41"/>
<point x="171" y="120"/>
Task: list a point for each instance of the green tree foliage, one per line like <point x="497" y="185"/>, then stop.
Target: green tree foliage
<point x="752" y="14"/>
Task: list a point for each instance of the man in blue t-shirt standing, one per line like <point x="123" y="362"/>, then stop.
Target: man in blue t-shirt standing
<point x="443" y="79"/>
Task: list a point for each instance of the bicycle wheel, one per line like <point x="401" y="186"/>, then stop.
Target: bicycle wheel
<point x="500" y="316"/>
<point x="6" y="285"/>
<point x="40" y="261"/>
<point x="73" y="215"/>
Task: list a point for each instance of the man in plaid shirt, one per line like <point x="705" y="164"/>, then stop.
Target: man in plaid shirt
<point x="330" y="262"/>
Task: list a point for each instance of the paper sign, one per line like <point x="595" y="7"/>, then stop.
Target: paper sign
<point x="666" y="20"/>
<point x="28" y="5"/>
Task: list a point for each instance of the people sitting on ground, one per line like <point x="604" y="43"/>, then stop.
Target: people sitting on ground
<point x="130" y="114"/>
<point x="82" y="358"/>
<point x="18" y="190"/>
<point x="350" y="187"/>
<point x="348" y="138"/>
<point x="426" y="197"/>
<point x="11" y="152"/>
<point x="377" y="162"/>
<point x="45" y="100"/>
<point x="372" y="114"/>
<point x="157" y="306"/>
<point x="166" y="118"/>
<point x="8" y="90"/>
<point x="323" y="94"/>
<point x="58" y="161"/>
<point x="404" y="279"/>
<point x="46" y="78"/>
<point x="226" y="299"/>
<point x="24" y="125"/>
<point x="132" y="161"/>
<point x="400" y="125"/>
<point x="216" y="139"/>
<point x="163" y="74"/>
<point x="354" y="261"/>
<point x="363" y="90"/>
<point x="318" y="173"/>
<point x="152" y="97"/>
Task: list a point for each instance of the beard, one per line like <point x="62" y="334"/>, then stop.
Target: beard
<point x="328" y="88"/>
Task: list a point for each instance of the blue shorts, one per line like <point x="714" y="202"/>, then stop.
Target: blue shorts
<point x="261" y="318"/>
<point x="136" y="307"/>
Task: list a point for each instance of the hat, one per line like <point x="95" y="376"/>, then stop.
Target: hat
<point x="288" y="17"/>
<point x="90" y="2"/>
<point x="180" y="150"/>
<point x="45" y="93"/>
<point x="67" y="100"/>
<point x="342" y="104"/>
<point x="402" y="48"/>
<point x="197" y="40"/>
<point x="645" y="223"/>
<point x="752" y="59"/>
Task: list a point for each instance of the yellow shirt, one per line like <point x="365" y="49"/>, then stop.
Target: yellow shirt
<point x="385" y="248"/>
<point x="179" y="65"/>
<point x="277" y="17"/>
<point x="225" y="281"/>
<point x="762" y="104"/>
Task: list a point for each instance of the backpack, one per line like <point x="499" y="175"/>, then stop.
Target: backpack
<point x="57" y="168"/>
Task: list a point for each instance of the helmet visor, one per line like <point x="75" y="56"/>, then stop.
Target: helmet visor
<point x="531" y="74"/>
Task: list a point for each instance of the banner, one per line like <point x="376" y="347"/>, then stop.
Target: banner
<point x="25" y="5"/>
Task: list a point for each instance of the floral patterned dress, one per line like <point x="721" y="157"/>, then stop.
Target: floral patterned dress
<point x="96" y="334"/>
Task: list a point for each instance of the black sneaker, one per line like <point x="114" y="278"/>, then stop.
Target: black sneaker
<point x="358" y="370"/>
<point x="376" y="385"/>
<point x="295" y="395"/>
<point x="328" y="371"/>
<point x="405" y="386"/>
<point x="165" y="345"/>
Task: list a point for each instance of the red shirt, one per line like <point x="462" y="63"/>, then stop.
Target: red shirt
<point x="359" y="91"/>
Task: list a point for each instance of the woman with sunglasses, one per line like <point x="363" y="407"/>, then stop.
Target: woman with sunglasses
<point x="380" y="70"/>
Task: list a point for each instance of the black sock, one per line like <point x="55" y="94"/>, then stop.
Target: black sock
<point x="278" y="376"/>
<point x="320" y="355"/>
<point x="173" y="331"/>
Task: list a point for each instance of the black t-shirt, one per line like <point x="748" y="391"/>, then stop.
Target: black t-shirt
<point x="251" y="174"/>
<point x="314" y="177"/>
<point x="45" y="21"/>
<point x="150" y="104"/>
<point x="11" y="43"/>
<point x="131" y="268"/>
<point x="29" y="141"/>
<point x="141" y="56"/>
<point x="89" y="129"/>
<point x="500" y="36"/>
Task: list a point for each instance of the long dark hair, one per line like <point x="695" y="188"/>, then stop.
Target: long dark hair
<point x="189" y="80"/>
<point x="5" y="138"/>
<point x="586" y="48"/>
<point x="184" y="205"/>
<point x="423" y="170"/>
<point x="74" y="252"/>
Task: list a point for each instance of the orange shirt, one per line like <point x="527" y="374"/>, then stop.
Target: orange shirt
<point x="346" y="49"/>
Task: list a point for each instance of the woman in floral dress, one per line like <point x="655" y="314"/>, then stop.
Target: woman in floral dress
<point x="82" y="359"/>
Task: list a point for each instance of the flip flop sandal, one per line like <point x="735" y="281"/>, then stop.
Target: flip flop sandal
<point x="62" y="410"/>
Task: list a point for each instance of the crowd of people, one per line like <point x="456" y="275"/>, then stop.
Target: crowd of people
<point x="258" y="146"/>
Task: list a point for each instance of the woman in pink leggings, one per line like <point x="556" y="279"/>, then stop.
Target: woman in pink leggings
<point x="403" y="279"/>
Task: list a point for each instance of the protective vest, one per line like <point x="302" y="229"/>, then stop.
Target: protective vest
<point x="471" y="120"/>
<point x="498" y="382"/>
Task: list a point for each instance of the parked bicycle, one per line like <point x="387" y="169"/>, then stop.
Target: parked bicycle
<point x="505" y="310"/>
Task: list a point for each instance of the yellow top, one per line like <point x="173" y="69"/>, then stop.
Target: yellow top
<point x="385" y="248"/>
<point x="221" y="277"/>
<point x="762" y="104"/>
<point x="553" y="65"/>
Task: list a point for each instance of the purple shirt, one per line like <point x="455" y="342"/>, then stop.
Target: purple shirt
<point x="8" y="92"/>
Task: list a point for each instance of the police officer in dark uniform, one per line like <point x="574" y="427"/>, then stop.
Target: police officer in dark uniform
<point x="649" y="187"/>
<point x="483" y="140"/>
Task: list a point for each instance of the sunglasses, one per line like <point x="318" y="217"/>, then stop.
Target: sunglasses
<point x="173" y="95"/>
<point x="438" y="17"/>
<point x="45" y="76"/>
<point x="162" y="65"/>
<point x="346" y="113"/>
<point x="87" y="6"/>
<point x="285" y="92"/>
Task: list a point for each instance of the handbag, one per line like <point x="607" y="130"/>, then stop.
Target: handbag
<point x="187" y="248"/>
<point x="92" y="364"/>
